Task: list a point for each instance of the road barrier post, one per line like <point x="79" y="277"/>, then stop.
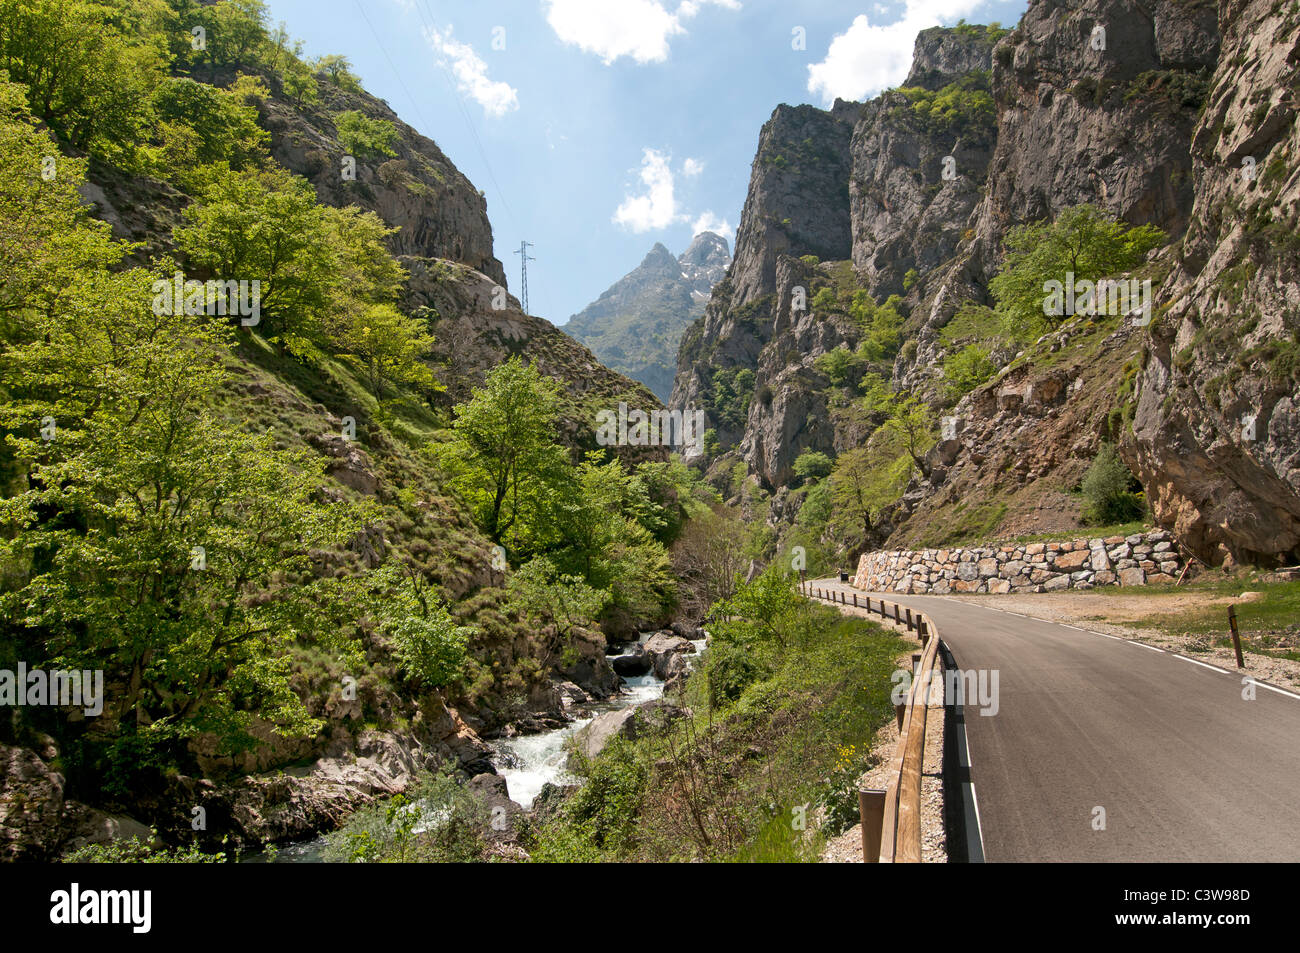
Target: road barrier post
<point x="871" y="809"/>
<point x="916" y="660"/>
<point x="909" y="619"/>
<point x="1236" y="636"/>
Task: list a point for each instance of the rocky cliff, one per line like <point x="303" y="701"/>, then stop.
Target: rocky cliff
<point x="635" y="327"/>
<point x="1175" y="114"/>
<point x="1216" y="428"/>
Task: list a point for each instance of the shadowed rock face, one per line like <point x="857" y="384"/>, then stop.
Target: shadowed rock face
<point x="859" y="183"/>
<point x="635" y="326"/>
<point x="1074" y="123"/>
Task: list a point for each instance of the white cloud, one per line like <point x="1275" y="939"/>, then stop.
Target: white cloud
<point x="866" y="59"/>
<point x="657" y="207"/>
<point x="495" y="97"/>
<point x="639" y="29"/>
<point x="692" y="167"/>
<point x="708" y="222"/>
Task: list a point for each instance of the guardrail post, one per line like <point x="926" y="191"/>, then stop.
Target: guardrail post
<point x="909" y="618"/>
<point x="897" y="620"/>
<point x="916" y="660"/>
<point x="871" y="809"/>
<point x="855" y="600"/>
<point x="898" y="713"/>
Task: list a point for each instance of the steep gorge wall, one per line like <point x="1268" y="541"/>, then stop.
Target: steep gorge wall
<point x="1153" y="128"/>
<point x="1216" y="426"/>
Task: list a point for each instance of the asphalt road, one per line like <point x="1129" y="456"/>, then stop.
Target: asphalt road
<point x="1184" y="767"/>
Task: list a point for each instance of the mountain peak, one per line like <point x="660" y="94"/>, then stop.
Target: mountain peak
<point x="705" y="248"/>
<point x="638" y="322"/>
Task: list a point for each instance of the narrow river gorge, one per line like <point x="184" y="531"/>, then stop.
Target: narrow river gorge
<point x="527" y="762"/>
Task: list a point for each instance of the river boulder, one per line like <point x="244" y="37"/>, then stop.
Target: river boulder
<point x="583" y="662"/>
<point x="595" y="737"/>
<point x="633" y="662"/>
<point x="662" y="647"/>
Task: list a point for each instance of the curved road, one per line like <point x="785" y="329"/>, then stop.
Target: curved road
<point x="1185" y="768"/>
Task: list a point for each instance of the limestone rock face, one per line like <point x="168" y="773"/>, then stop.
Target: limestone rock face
<point x="31" y="806"/>
<point x="1216" y="431"/>
<point x="593" y="739"/>
<point x="436" y="209"/>
<point x="1176" y="114"/>
<point x="861" y="185"/>
<point x="1080" y="124"/>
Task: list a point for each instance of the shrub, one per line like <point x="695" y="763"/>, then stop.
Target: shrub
<point x="812" y="465"/>
<point x="1107" y="490"/>
<point x="967" y="369"/>
<point x="729" y="671"/>
<point x="363" y="136"/>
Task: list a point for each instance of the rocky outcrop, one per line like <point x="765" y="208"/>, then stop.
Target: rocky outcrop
<point x="37" y="823"/>
<point x="1095" y="117"/>
<point x="917" y="179"/>
<point x="630" y="723"/>
<point x="635" y="326"/>
<point x="797" y="205"/>
<point x="635" y="661"/>
<point x="31" y="806"/>
<point x="298" y="801"/>
<point x="437" y="210"/>
<point x="1176" y="114"/>
<point x="595" y="737"/>
<point x="876" y="192"/>
<point x="1216" y="424"/>
<point x="1134" y="560"/>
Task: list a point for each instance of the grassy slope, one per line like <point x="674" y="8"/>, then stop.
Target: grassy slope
<point x="727" y="783"/>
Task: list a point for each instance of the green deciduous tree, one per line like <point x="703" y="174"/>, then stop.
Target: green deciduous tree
<point x="967" y="369"/>
<point x="1082" y="240"/>
<point x="1106" y="489"/>
<point x="812" y="465"/>
<point x="503" y="458"/>
<point x="151" y="538"/>
<point x="86" y="70"/>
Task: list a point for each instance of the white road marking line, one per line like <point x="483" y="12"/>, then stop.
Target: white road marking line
<point x="1194" y="661"/>
<point x="1143" y="645"/>
<point x="975" y="802"/>
<point x="1274" y="688"/>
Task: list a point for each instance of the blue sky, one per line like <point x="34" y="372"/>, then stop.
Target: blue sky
<point x="599" y="127"/>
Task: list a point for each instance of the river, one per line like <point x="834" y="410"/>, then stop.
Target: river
<point x="527" y="762"/>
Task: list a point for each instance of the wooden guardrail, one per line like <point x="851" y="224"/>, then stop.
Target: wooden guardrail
<point x="899" y="810"/>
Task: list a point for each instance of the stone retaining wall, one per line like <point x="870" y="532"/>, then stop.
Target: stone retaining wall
<point x="1024" y="567"/>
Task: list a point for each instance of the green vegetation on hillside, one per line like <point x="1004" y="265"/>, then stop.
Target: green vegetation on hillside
<point x="962" y="105"/>
<point x="221" y="489"/>
<point x="784" y="708"/>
